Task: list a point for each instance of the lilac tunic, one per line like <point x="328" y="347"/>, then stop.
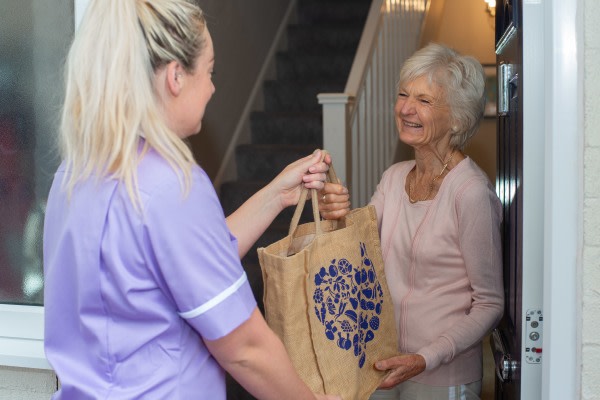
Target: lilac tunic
<point x="129" y="296"/>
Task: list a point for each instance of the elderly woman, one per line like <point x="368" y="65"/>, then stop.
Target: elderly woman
<point x="439" y="221"/>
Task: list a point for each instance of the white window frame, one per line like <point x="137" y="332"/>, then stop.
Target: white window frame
<point x="22" y="327"/>
<point x="22" y="336"/>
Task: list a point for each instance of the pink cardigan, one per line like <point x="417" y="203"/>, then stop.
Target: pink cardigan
<point x="443" y="265"/>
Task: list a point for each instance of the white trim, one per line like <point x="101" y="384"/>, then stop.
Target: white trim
<point x="563" y="210"/>
<point x="79" y="8"/>
<point x="215" y="301"/>
<point x="534" y="124"/>
<point x="22" y="336"/>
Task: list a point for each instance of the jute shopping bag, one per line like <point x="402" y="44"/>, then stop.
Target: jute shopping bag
<point x="326" y="297"/>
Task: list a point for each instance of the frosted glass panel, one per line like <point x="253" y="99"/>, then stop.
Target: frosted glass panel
<point x="34" y="38"/>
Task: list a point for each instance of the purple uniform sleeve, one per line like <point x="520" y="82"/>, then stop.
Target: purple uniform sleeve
<point x="196" y="257"/>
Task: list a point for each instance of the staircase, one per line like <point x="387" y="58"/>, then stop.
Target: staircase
<point x="321" y="48"/>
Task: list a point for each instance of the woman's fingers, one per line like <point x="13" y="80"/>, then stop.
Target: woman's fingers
<point x="402" y="368"/>
<point x="334" y="201"/>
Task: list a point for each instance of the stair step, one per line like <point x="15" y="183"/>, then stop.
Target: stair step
<point x="254" y="274"/>
<point x="312" y="65"/>
<point x="262" y="162"/>
<point x="287" y="128"/>
<point x="323" y="37"/>
<point x="277" y="231"/>
<point x="235" y="193"/>
<point x="292" y="95"/>
<point x="235" y="391"/>
<point x="316" y="11"/>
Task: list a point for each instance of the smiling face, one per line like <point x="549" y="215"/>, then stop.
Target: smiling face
<point x="422" y="114"/>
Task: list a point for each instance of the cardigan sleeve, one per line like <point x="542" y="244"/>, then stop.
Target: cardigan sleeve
<point x="478" y="214"/>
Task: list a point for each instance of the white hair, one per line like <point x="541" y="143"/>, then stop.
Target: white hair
<point x="463" y="81"/>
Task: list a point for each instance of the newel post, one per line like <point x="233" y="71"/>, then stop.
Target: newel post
<point x="336" y="132"/>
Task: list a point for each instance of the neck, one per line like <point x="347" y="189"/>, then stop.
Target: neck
<point x="432" y="162"/>
<point x="423" y="184"/>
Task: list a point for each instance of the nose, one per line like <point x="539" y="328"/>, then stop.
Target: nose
<point x="405" y="105"/>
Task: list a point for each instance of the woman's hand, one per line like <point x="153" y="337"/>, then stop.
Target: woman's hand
<point x="334" y="201"/>
<point x="253" y="217"/>
<point x="403" y="367"/>
<point x="311" y="171"/>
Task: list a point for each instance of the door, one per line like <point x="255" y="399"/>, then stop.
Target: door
<point x="517" y="343"/>
<point x="506" y="339"/>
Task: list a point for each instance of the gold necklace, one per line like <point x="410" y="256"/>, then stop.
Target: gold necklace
<point x="412" y="182"/>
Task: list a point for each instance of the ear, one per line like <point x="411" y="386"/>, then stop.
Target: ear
<point x="174" y="78"/>
<point x="454" y="126"/>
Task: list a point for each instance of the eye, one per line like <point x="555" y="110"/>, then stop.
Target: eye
<point x="402" y="94"/>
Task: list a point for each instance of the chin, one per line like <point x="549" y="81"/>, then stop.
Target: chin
<point x="193" y="133"/>
<point x="198" y="128"/>
<point x="407" y="139"/>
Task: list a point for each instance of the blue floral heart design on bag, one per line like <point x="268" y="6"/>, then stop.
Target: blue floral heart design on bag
<point x="348" y="302"/>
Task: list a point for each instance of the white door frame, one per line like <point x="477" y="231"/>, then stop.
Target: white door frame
<point x="552" y="192"/>
<point x="563" y="228"/>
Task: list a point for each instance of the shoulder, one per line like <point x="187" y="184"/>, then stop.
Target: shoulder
<point x="155" y="174"/>
<point x="472" y="188"/>
<point x="397" y="172"/>
<point x="161" y="185"/>
<point x="466" y="174"/>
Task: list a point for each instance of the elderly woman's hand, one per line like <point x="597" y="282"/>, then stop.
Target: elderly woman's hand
<point x="334" y="201"/>
<point x="401" y="367"/>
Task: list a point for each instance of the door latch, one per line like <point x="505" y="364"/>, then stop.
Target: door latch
<point x="506" y="367"/>
<point x="534" y="320"/>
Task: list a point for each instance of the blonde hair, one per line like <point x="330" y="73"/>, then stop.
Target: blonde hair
<point x="463" y="80"/>
<point x="110" y="96"/>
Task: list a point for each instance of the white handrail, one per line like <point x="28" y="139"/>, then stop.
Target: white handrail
<point x="358" y="125"/>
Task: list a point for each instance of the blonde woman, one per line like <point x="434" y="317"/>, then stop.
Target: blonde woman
<point x="145" y="295"/>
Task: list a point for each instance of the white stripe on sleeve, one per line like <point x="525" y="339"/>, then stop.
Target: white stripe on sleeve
<point x="215" y="300"/>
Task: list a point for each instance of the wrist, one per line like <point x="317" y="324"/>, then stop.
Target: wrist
<point x="274" y="198"/>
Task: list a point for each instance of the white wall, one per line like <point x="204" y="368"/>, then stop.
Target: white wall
<point x="446" y="24"/>
<point x="590" y="348"/>
<point x="22" y="384"/>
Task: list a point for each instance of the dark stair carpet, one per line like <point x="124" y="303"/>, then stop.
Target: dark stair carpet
<point x="321" y="48"/>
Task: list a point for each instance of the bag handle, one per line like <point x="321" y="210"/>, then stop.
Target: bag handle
<point x="331" y="177"/>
